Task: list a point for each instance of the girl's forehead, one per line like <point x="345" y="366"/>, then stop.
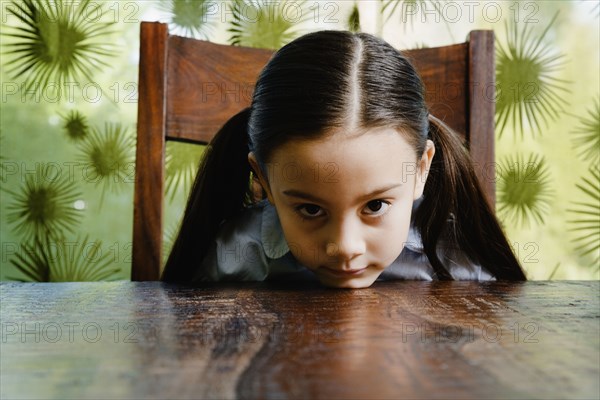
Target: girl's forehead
<point x="349" y="140"/>
<point x="380" y="155"/>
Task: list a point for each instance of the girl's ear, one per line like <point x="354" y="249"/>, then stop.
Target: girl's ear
<point x="258" y="172"/>
<point x="423" y="169"/>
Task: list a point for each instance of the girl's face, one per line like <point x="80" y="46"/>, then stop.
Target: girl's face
<point x="345" y="201"/>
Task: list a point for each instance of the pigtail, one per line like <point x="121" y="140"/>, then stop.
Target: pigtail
<point x="220" y="190"/>
<point x="455" y="208"/>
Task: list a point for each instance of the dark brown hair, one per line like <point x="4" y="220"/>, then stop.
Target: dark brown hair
<point x="311" y="86"/>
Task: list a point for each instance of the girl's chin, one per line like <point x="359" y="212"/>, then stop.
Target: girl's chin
<point x="359" y="281"/>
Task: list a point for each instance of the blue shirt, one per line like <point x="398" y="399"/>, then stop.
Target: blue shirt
<point x="252" y="247"/>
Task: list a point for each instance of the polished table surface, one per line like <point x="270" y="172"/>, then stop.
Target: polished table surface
<point x="394" y="340"/>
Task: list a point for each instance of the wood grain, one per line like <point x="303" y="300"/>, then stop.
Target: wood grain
<point x="150" y="154"/>
<point x="417" y="340"/>
<point x="482" y="98"/>
<point x="443" y="71"/>
<point x="208" y="83"/>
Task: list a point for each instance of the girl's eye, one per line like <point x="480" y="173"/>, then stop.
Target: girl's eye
<point x="310" y="210"/>
<point x="377" y="207"/>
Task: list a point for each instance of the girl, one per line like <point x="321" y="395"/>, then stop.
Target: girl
<point x="361" y="182"/>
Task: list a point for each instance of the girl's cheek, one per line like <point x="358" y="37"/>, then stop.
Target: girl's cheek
<point x="301" y="242"/>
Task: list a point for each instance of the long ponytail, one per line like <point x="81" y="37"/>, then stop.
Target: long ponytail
<point x="220" y="190"/>
<point x="455" y="208"/>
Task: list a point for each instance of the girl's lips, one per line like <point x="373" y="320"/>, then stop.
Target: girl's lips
<point x="339" y="272"/>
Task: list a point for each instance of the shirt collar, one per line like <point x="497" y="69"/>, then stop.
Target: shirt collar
<point x="414" y="241"/>
<point x="271" y="233"/>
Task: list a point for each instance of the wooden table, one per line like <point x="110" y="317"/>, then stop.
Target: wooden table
<point x="394" y="340"/>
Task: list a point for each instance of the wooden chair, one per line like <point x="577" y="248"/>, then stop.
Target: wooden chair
<point x="188" y="88"/>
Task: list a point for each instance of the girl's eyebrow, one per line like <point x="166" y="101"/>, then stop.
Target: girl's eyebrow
<point x="307" y="196"/>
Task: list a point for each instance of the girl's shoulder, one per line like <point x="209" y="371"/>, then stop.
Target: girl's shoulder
<point x="249" y="246"/>
<point x="260" y="222"/>
<point x="412" y="263"/>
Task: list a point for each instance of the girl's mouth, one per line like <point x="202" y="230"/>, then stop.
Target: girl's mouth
<point x="344" y="273"/>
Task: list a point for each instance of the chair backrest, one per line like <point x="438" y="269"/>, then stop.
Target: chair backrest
<point x="189" y="88"/>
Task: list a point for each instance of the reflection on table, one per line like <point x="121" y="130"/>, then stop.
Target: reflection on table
<point x="393" y="340"/>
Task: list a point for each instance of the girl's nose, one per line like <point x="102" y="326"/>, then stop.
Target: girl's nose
<point x="346" y="244"/>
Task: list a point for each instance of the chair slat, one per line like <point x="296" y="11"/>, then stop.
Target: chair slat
<point x="442" y="70"/>
<point x="207" y="84"/>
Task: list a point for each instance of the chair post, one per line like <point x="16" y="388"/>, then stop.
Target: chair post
<point x="149" y="163"/>
<point x="481" y="106"/>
